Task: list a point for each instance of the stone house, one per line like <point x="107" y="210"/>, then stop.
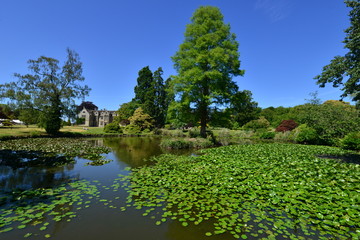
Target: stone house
<point x="97" y="118"/>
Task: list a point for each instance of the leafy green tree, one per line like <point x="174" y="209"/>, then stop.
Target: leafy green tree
<point x="345" y="70"/>
<point x="140" y="121"/>
<point x="330" y="120"/>
<point x="29" y="116"/>
<point x="6" y="112"/>
<point x="206" y="62"/>
<point x="126" y="110"/>
<point x="49" y="90"/>
<point x="276" y="115"/>
<point x="243" y="108"/>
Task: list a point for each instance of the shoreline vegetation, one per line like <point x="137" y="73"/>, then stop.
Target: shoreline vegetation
<point x="179" y="138"/>
<point x="174" y="138"/>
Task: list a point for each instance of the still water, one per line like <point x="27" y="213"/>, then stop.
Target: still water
<point x="99" y="221"/>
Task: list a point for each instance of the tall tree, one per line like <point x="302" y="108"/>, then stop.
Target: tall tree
<point x="160" y="100"/>
<point x="151" y="95"/>
<point x="49" y="89"/>
<point x="206" y="62"/>
<point x="345" y="70"/>
<point x="144" y="90"/>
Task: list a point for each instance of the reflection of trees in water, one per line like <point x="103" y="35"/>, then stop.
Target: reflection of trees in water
<point x="34" y="177"/>
<point x="193" y="232"/>
<point x="134" y="150"/>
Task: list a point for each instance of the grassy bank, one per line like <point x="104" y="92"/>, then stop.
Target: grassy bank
<point x="34" y="131"/>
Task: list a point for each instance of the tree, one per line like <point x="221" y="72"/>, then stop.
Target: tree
<point x="6" y="112"/>
<point x="139" y="122"/>
<point x="331" y="120"/>
<point x="49" y="89"/>
<point x="144" y="90"/>
<point x="161" y="99"/>
<point x="206" y="62"/>
<point x="243" y="108"/>
<point x="151" y="94"/>
<point x="345" y="70"/>
<point x="126" y="110"/>
<point x="29" y="116"/>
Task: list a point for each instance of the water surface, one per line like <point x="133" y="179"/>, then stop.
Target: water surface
<point x="99" y="221"/>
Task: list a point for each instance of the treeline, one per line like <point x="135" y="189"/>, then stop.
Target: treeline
<point x="313" y="122"/>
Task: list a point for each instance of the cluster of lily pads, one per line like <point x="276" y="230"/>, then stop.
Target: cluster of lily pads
<point x="260" y="191"/>
<point x="39" y="208"/>
<point x="48" y="151"/>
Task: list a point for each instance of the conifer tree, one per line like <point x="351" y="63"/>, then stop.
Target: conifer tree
<point x="206" y="62"/>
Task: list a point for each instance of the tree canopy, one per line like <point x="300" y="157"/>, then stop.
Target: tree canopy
<point x="151" y="94"/>
<point x="206" y="62"/>
<point x="344" y="70"/>
<point x="49" y="89"/>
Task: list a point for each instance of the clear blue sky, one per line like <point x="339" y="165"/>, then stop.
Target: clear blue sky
<point x="283" y="43"/>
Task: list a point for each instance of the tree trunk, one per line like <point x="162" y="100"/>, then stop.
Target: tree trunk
<point x="203" y="108"/>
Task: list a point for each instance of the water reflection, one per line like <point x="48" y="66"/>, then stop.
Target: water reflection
<point x="99" y="221"/>
<point x="34" y="177"/>
<point x="134" y="150"/>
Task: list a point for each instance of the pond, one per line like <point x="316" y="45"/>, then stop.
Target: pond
<point x="103" y="216"/>
<point x="269" y="191"/>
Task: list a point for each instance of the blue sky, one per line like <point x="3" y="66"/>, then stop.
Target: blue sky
<point x="283" y="43"/>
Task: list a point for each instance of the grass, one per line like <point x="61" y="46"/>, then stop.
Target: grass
<point x="33" y="130"/>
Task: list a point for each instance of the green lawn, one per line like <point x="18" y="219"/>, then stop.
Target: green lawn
<point x="33" y="130"/>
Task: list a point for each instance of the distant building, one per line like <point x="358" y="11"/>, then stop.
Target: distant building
<point x="97" y="118"/>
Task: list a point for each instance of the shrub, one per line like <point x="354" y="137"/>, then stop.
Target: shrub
<point x="80" y="121"/>
<point x="351" y="141"/>
<point x="202" y="143"/>
<point x="141" y="119"/>
<point x="267" y="135"/>
<point x="243" y="134"/>
<point x="286" y="125"/>
<point x="158" y="131"/>
<point x="259" y="124"/>
<point x="331" y="122"/>
<point x="284" y="136"/>
<point x="132" y="129"/>
<point x="194" y="132"/>
<point x="306" y="134"/>
<point x="175" y="144"/>
<point x="112" y="128"/>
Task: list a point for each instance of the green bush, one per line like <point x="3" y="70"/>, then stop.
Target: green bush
<point x="175" y="144"/>
<point x="194" y="133"/>
<point x="202" y="143"/>
<point x="186" y="143"/>
<point x="267" y="135"/>
<point x="306" y="134"/>
<point x="351" y="141"/>
<point x="259" y="124"/>
<point x="112" y="128"/>
<point x="332" y="120"/>
<point x="132" y="129"/>
<point x="284" y="136"/>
